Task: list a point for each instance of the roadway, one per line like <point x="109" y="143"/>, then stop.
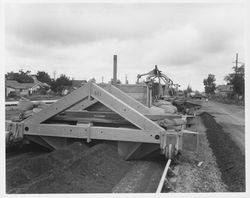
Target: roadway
<point x="231" y="118"/>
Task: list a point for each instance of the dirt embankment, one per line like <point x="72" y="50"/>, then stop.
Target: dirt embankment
<point x="229" y="157"/>
<point x="80" y="168"/>
<point x="74" y="169"/>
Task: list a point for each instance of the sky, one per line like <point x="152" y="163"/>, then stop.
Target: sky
<point x="187" y="41"/>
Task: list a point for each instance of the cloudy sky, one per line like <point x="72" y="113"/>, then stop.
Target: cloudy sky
<point x="186" y="40"/>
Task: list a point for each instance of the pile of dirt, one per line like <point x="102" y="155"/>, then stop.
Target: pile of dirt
<point x="73" y="169"/>
<point x="27" y="167"/>
<point x="229" y="157"/>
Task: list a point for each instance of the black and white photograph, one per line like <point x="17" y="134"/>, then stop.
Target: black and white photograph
<point x="124" y="98"/>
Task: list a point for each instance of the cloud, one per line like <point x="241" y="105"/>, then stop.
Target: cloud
<point x="61" y="24"/>
<point x="187" y="41"/>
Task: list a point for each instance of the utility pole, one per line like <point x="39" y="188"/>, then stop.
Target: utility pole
<point x="236" y="64"/>
<point x="126" y="79"/>
<point x="102" y="79"/>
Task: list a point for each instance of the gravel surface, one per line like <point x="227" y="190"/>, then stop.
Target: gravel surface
<point x="189" y="177"/>
<point x="229" y="157"/>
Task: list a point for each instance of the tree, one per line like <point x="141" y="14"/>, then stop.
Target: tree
<point x="21" y="76"/>
<point x="43" y="77"/>
<point x="237" y="79"/>
<point x="188" y="91"/>
<point x="209" y="84"/>
<point x="60" y="83"/>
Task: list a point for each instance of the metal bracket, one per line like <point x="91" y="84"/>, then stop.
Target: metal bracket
<point x="89" y="96"/>
<point x="88" y="132"/>
<point x="16" y="129"/>
<point x="180" y="140"/>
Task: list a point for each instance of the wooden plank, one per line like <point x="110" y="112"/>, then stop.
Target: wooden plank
<point x="61" y="105"/>
<point x="133" y="88"/>
<point x="91" y="116"/>
<point x="140" y="96"/>
<point x="102" y="133"/>
<point x="88" y="120"/>
<point x="15" y="103"/>
<point x="128" y="99"/>
<point x="130" y="88"/>
<point x="137" y="92"/>
<point x="115" y="116"/>
<point x="84" y="104"/>
<point x="143" y="101"/>
<point x="124" y="110"/>
<point x="156" y="117"/>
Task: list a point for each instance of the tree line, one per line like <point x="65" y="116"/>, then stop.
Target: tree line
<point x="56" y="85"/>
<point x="236" y="79"/>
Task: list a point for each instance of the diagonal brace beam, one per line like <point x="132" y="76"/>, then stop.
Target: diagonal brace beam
<point x="128" y="99"/>
<point x="64" y="103"/>
<point x="124" y="109"/>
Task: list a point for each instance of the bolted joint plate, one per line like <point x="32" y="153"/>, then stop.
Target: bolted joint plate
<point x="180" y="140"/>
<point x="190" y="141"/>
<point x="16" y="129"/>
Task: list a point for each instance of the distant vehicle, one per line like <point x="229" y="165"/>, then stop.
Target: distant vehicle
<point x="197" y="96"/>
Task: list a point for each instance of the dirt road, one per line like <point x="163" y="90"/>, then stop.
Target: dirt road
<point x="231" y="118"/>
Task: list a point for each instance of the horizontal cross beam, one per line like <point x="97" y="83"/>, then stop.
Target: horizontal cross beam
<point x="85" y="131"/>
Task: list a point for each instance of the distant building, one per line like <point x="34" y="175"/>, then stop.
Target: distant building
<point x="14" y="88"/>
<point x="75" y="85"/>
<point x="78" y="83"/>
<point x="224" y="90"/>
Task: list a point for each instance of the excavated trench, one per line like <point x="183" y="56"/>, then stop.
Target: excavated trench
<point x="79" y="168"/>
<point x="229" y="158"/>
<point x="97" y="168"/>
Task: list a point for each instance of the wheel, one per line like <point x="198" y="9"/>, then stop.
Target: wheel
<point x="9" y="138"/>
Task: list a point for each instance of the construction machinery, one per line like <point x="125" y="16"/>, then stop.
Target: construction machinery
<point x="114" y="112"/>
<point x="154" y="79"/>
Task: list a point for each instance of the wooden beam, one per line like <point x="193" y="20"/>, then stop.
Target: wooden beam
<point x="83" y="104"/>
<point x="128" y="99"/>
<point x="124" y="109"/>
<point x="61" y="105"/>
<point x="82" y="131"/>
<point x="115" y="116"/>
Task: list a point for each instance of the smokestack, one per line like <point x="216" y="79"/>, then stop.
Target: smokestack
<point x="115" y="69"/>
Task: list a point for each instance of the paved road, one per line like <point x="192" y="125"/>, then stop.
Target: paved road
<point x="231" y="118"/>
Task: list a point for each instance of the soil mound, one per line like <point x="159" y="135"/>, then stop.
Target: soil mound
<point x="77" y="168"/>
<point x="229" y="157"/>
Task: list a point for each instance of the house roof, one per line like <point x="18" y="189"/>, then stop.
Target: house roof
<point x="16" y="85"/>
<point x="37" y="81"/>
<point x="78" y="83"/>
